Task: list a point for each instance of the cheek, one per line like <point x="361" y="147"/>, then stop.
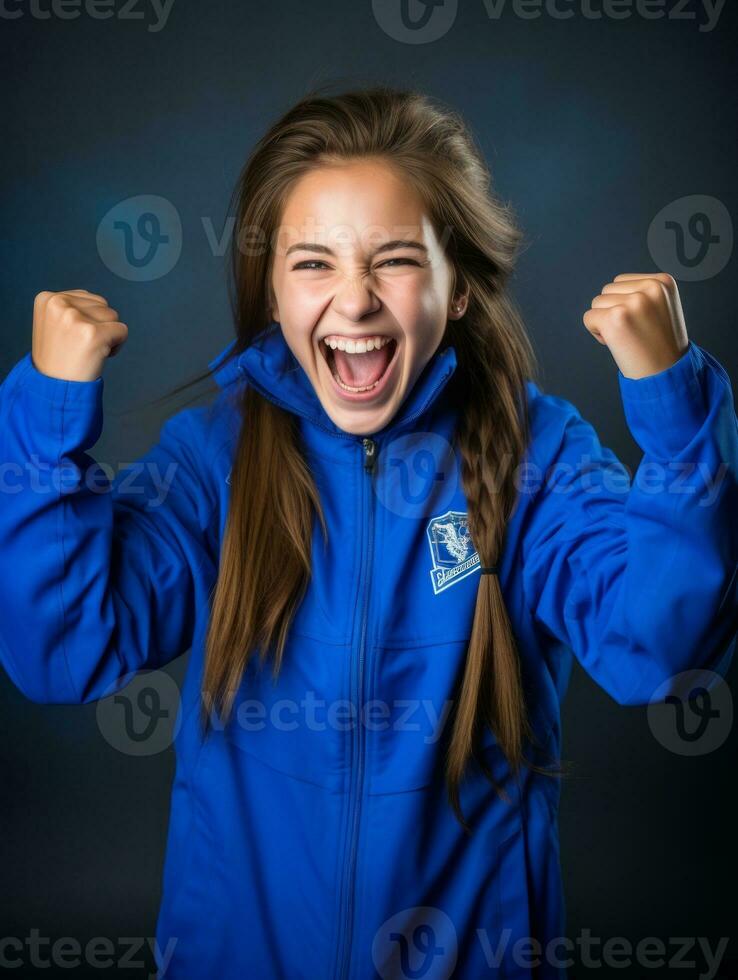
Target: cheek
<point x="306" y="298"/>
<point x="425" y="311"/>
<point x="411" y="299"/>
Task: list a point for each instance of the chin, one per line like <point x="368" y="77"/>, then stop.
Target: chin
<point x="374" y="419"/>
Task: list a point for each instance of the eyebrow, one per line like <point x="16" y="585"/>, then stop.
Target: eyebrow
<point x="386" y="247"/>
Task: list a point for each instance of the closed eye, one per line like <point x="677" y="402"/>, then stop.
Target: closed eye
<point x="313" y="263"/>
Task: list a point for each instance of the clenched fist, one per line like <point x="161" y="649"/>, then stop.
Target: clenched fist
<point x="73" y="333"/>
<point x="639" y="317"/>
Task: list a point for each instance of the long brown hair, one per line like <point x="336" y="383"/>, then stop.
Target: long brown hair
<point x="273" y="496"/>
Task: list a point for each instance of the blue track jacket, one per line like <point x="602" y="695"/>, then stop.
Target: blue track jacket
<point x="311" y="837"/>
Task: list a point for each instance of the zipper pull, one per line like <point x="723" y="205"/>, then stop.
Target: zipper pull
<point x="369" y="453"/>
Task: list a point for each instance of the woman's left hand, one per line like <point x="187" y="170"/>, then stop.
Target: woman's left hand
<point x="639" y="318"/>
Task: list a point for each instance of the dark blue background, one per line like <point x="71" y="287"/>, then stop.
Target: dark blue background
<point x="590" y="128"/>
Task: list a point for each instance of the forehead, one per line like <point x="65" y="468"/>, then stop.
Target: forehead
<point x="361" y="202"/>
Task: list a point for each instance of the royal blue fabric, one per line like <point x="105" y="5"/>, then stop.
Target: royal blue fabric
<point x="305" y="841"/>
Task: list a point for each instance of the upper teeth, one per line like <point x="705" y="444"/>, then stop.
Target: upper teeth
<point x="357" y="346"/>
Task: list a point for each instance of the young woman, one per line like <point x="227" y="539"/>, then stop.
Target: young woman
<point x="383" y="543"/>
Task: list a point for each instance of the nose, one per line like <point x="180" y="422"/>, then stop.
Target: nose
<point x="354" y="298"/>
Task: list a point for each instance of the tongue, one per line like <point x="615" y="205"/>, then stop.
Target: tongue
<point x="360" y="370"/>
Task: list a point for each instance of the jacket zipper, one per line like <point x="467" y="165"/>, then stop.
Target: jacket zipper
<point x="346" y="925"/>
<point x="369" y="458"/>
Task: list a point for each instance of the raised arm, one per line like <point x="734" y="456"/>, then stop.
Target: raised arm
<point x="640" y="578"/>
<point x="98" y="578"/>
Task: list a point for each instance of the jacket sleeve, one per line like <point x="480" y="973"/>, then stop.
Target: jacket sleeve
<point x="639" y="576"/>
<point x="99" y="577"/>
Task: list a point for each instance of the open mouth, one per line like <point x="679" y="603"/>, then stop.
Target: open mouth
<point x="361" y="367"/>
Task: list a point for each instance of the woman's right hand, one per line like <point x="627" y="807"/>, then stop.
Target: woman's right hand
<point x="74" y="332"/>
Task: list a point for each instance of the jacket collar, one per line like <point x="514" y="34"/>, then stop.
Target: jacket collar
<point x="272" y="368"/>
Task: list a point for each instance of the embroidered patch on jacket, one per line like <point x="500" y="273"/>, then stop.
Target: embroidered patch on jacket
<point x="451" y="549"/>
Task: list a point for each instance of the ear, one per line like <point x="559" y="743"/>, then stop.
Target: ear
<point x="459" y="295"/>
<point x="458" y="306"/>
